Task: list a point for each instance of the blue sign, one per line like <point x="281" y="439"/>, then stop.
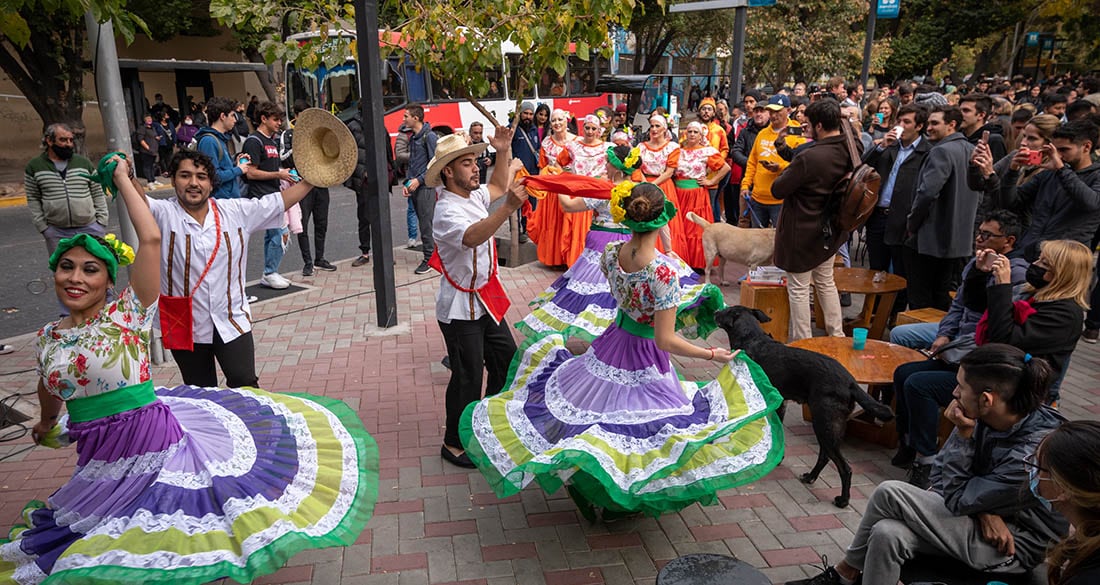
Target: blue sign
<point x="888" y="8"/>
<point x="761" y="3"/>
<point x="1033" y="39"/>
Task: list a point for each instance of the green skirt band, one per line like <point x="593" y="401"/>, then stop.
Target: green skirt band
<point x="113" y="402"/>
<point x="603" y="228"/>
<point x="687" y="184"/>
<point x="626" y="323"/>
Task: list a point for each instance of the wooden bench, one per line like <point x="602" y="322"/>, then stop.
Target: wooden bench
<point x="773" y="300"/>
<point x="926" y="315"/>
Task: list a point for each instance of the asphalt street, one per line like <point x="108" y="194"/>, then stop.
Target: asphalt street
<point x="27" y="298"/>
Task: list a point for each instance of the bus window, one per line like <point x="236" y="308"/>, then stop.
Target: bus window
<point x="416" y="84"/>
<point x="442" y="90"/>
<point x="301" y="84"/>
<point x="551" y="84"/>
<point x="393" y="87"/>
<point x="582" y="76"/>
<point x="341" y="89"/>
<point x="513" y="80"/>
<point x="496" y="85"/>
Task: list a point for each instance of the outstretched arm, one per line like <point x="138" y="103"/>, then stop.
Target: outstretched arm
<point x="502" y="178"/>
<point x="145" y="274"/>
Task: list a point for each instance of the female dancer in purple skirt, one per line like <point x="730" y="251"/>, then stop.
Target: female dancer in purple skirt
<point x="181" y="485"/>
<point x="579" y="303"/>
<point x="617" y="424"/>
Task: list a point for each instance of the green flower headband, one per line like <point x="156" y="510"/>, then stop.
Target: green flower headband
<point x="653" y="224"/>
<point x="116" y="253"/>
<point x="627" y="166"/>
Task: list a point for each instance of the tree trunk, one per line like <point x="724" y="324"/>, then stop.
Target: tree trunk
<point x="49" y="71"/>
<point x="266" y="82"/>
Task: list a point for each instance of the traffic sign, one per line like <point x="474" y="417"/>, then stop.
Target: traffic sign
<point x="1033" y="39"/>
<point x="888" y="8"/>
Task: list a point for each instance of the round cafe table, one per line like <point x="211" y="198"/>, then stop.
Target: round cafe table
<point x="874" y="366"/>
<point x="875" y="294"/>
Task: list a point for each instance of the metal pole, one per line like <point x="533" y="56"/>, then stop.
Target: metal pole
<point x="737" y="59"/>
<point x="865" y="72"/>
<point x="377" y="191"/>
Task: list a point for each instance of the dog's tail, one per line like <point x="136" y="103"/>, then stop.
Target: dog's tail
<point x="877" y="409"/>
<point x="702" y="222"/>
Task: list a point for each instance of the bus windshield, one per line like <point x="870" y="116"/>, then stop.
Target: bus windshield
<point x="335" y="90"/>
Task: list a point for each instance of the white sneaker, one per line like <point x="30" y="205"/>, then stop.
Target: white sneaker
<point x="412" y="243"/>
<point x="274" y="280"/>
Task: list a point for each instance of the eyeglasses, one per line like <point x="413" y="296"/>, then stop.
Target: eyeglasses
<point x="984" y="235"/>
<point x="1031" y="461"/>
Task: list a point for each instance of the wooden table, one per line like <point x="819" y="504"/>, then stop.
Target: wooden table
<point x="880" y="295"/>
<point x="874" y="365"/>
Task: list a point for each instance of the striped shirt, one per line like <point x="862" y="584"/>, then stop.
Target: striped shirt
<point x="220" y="301"/>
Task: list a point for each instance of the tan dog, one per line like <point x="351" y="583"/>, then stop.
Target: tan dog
<point x="750" y="247"/>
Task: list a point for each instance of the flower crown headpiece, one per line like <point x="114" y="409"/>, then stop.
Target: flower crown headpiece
<point x="620" y="195"/>
<point x="627" y="165"/>
<point x="111" y="250"/>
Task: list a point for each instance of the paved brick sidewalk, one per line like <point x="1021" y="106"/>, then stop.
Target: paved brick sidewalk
<point x="439" y="524"/>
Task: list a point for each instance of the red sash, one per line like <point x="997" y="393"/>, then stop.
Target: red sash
<point x="492" y="295"/>
<point x="176" y="319"/>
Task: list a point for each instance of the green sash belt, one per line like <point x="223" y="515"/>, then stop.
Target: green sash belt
<point x="618" y="230"/>
<point x="628" y="324"/>
<point x="113" y="402"/>
<point x="687" y="184"/>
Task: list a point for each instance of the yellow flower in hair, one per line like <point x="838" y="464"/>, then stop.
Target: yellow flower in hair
<point x="121" y="249"/>
<point x="618" y="193"/>
<point x="632" y="158"/>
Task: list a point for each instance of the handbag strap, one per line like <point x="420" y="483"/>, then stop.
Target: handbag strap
<point x="217" y="246"/>
<point x="846" y="128"/>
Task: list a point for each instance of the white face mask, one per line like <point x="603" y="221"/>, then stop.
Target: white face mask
<point x="187" y="122"/>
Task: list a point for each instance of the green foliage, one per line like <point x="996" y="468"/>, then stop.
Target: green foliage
<point x="804" y="40"/>
<point x="458" y="37"/>
<point x="14" y="25"/>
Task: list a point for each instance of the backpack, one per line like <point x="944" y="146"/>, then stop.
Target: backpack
<point x="856" y="194"/>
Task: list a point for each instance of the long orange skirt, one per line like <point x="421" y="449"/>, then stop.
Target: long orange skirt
<point x="545" y="229"/>
<point x="698" y="201"/>
<point x="676" y="224"/>
<point x="574" y="231"/>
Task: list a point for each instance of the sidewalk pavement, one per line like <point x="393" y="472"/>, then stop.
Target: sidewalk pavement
<point x="438" y="524"/>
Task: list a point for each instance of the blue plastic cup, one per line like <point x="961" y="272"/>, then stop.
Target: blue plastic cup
<point x="859" y="338"/>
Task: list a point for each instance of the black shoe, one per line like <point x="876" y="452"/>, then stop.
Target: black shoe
<point x="423" y="268"/>
<point x="904" y="457"/>
<point x="361" y="260"/>
<point x="459" y="460"/>
<point x="324" y="265"/>
<point x="920" y="475"/>
<point x="307" y="270"/>
<point x="446" y="361"/>
<point x="523" y="239"/>
<point x="827" y="577"/>
<point x="846" y="299"/>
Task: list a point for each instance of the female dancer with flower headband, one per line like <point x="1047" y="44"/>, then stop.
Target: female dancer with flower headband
<point x="547" y="224"/>
<point x="579" y="303"/>
<point x="660" y="156"/>
<point x="617" y="424"/>
<point x="700" y="167"/>
<point x="183" y="485"/>
<point x="586" y="156"/>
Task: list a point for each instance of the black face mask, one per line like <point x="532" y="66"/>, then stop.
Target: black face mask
<point x="62" y="152"/>
<point x="1035" y="275"/>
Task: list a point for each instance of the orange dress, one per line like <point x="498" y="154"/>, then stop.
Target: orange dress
<point x="654" y="162"/>
<point x="694" y="164"/>
<point x="589" y="161"/>
<point x="545" y="225"/>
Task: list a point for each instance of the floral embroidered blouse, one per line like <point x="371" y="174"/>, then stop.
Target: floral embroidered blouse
<point x="108" y="352"/>
<point x="587" y="160"/>
<point x="641" y="294"/>
<point x="695" y="163"/>
<point x="553" y="153"/>
<point x="655" y="161"/>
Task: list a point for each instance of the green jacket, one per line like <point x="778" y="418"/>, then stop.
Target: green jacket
<point x="68" y="201"/>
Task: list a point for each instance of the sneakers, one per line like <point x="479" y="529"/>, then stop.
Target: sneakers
<point x="412" y="243"/>
<point x="523" y="239"/>
<point x="6" y="349"/>
<point x="904" y="457"/>
<point x="275" y="281"/>
<point x="920" y="475"/>
<point x="361" y="260"/>
<point x="307" y="270"/>
<point x="324" y="265"/>
<point x="1091" y="335"/>
<point x="827" y="577"/>
<point x="423" y="268"/>
<point x="846" y="299"/>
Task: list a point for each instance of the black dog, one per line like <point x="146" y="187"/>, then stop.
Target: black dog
<point x="807" y="378"/>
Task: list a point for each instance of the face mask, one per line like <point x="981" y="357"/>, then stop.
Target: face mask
<point x="1035" y="275"/>
<point x="187" y="122"/>
<point x="62" y="152"/>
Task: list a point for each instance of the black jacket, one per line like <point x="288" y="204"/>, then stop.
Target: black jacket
<point x="1050" y="333"/>
<point x="358" y="177"/>
<point x="996" y="139"/>
<point x="742" y="146"/>
<point x="1064" y="205"/>
<point x="905" y="184"/>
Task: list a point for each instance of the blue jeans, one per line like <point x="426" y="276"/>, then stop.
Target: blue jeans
<point x="921" y="390"/>
<point x="410" y="218"/>
<point x="274" y="249"/>
<point x="764" y="215"/>
<point x="845" y="255"/>
<point x="915" y="335"/>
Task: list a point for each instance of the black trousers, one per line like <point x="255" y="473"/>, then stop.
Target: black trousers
<point x="930" y="279"/>
<point x="474" y="347"/>
<point x="883" y="256"/>
<point x="315" y="205"/>
<point x="237" y="359"/>
<point x="146" y="165"/>
<point x="363" y="215"/>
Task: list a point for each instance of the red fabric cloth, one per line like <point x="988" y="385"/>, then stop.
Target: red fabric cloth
<point x="1021" y="310"/>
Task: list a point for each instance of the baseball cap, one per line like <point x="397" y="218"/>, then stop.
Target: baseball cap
<point x="621" y="108"/>
<point x="778" y="102"/>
